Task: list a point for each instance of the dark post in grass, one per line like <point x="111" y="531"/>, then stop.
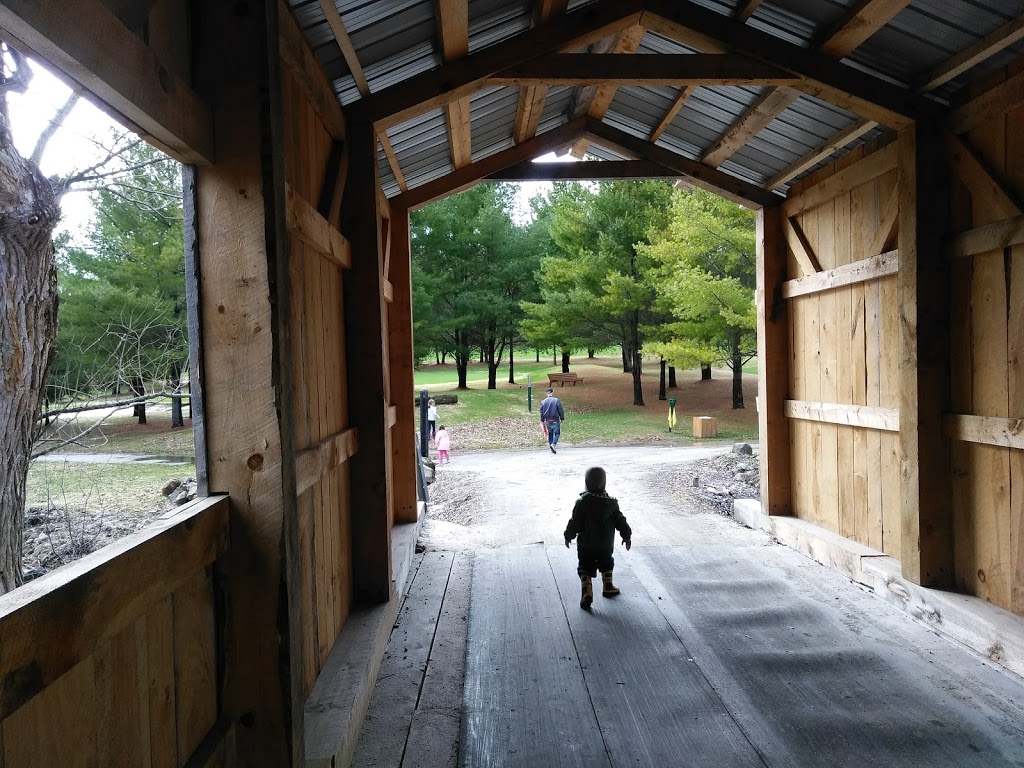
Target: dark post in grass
<point x="424" y="451"/>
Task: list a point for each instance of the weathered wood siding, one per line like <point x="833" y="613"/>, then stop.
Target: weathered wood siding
<point x="113" y="660"/>
<point x="844" y="350"/>
<point x="987" y="361"/>
<point x="320" y="391"/>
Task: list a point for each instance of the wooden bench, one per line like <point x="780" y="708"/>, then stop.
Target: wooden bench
<point x="564" y="378"/>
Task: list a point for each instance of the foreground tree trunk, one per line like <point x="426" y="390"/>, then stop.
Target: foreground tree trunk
<point x="705" y="372"/>
<point x="139" y="390"/>
<point x="671" y="377"/>
<point x="28" y="326"/>
<point x="661" y="382"/>
<point x="636" y="358"/>
<point x="511" y="362"/>
<point x="737" y="373"/>
<point x="627" y="359"/>
<point x="565" y="361"/>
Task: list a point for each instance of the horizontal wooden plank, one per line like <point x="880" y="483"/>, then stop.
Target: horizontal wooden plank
<point x="300" y="59"/>
<point x="984" y="49"/>
<point x="51" y="624"/>
<point x="868" y="417"/>
<point x="580" y="69"/>
<point x="858" y="272"/>
<point x="312" y="463"/>
<point x="585" y="171"/>
<point x="845" y="137"/>
<point x="991" y="237"/>
<point x="86" y="42"/>
<point x="871" y="167"/>
<point x="986" y="430"/>
<point x="315" y="230"/>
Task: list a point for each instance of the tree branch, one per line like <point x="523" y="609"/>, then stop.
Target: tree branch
<point x="56" y="122"/>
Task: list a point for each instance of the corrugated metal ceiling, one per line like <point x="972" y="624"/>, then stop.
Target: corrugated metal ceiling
<point x="395" y="40"/>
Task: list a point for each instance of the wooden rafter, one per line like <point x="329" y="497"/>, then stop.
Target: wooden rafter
<point x="696" y="173"/>
<point x="671" y="112"/>
<point x="844" y="138"/>
<point x="300" y="59"/>
<point x="984" y="49"/>
<point x="454" y="80"/>
<point x="389" y="153"/>
<point x="348" y="50"/>
<point x="585" y="171"/>
<point x="469" y="175"/>
<point x="770" y="104"/>
<point x="860" y="23"/>
<point x="822" y="76"/>
<point x="531" y="98"/>
<point x="601" y="97"/>
<point x="453" y="30"/>
<point x="746" y="10"/>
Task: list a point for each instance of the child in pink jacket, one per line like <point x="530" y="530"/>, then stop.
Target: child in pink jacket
<point x="443" y="443"/>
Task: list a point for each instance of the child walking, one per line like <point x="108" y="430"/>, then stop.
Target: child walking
<point x="432" y="417"/>
<point x="595" y="518"/>
<point x="443" y="444"/>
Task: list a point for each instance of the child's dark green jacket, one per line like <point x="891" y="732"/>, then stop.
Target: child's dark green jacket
<point x="595" y="518"/>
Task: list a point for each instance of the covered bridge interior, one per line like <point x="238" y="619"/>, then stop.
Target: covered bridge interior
<point x="879" y="140"/>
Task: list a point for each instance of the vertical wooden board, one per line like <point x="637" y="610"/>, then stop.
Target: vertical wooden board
<point x="861" y="203"/>
<point x="195" y="663"/>
<point x="163" y="744"/>
<point x="29" y="740"/>
<point x="307" y="585"/>
<point x="288" y="94"/>
<point x="844" y="373"/>
<point x="797" y="375"/>
<point x="889" y="397"/>
<point x="345" y="536"/>
<point x="828" y="336"/>
<point x="812" y="361"/>
<point x="332" y="283"/>
<point x="1016" y="388"/>
<point x="123" y="719"/>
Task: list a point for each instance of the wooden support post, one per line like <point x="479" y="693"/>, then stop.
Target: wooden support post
<point x="773" y="363"/>
<point x="238" y="219"/>
<point x="926" y="549"/>
<point x="400" y="346"/>
<point x="366" y="351"/>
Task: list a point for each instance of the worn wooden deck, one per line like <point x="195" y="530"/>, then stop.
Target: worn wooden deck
<point x="712" y="656"/>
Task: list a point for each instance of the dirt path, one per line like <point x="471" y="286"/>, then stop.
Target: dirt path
<point x="512" y="498"/>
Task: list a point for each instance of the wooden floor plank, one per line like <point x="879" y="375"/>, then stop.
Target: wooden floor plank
<point x="809" y="686"/>
<point x="525" y="702"/>
<point x="654" y="706"/>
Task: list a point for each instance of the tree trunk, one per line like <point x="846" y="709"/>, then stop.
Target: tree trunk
<point x="565" y="361"/>
<point x="537" y="350"/>
<point x="671" y="377"/>
<point x="591" y="352"/>
<point x="661" y="382"/>
<point x="637" y="359"/>
<point x="627" y="359"/>
<point x="437" y="357"/>
<point x="461" y="359"/>
<point x="705" y="372"/>
<point x="511" y="362"/>
<point x="28" y="326"/>
<point x="444" y="358"/>
<point x="554" y="355"/>
<point x="139" y="390"/>
<point x="483" y="355"/>
<point x="176" y="417"/>
<point x="737" y="373"/>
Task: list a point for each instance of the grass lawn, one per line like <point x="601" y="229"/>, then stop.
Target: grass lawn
<point x="117" y="488"/>
<point x="476" y="373"/>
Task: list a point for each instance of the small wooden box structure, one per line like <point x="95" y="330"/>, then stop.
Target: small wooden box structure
<point x="705" y="426"/>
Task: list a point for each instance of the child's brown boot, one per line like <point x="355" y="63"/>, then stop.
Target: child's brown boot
<point x="607" y="588"/>
<point x="587" y="594"/>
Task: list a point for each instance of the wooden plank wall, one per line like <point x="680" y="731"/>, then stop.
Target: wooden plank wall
<point x="320" y="390"/>
<point x="987" y="358"/>
<point x="142" y="688"/>
<point x="844" y="350"/>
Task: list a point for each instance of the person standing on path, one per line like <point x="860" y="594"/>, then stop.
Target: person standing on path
<point x="432" y="418"/>
<point x="551" y="416"/>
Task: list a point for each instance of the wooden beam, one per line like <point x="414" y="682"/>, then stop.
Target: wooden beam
<point x="866" y="416"/>
<point x="984" y="49"/>
<point x="773" y="356"/>
<point x="986" y="189"/>
<point x="991" y="237"/>
<point x="540" y="144"/>
<point x="453" y="29"/>
<point x="454" y="80"/>
<point x="90" y="45"/>
<point x="770" y="104"/>
<point x="314" y="462"/>
<point x="671" y="112"/>
<point x="887" y="225"/>
<point x="711" y="179"/>
<point x="802" y="251"/>
<point x="300" y="59"/>
<point x="47" y="625"/>
<point x="530" y="106"/>
<point x="389" y="153"/>
<point x="995" y="102"/>
<point x="926" y="548"/>
<point x="584" y="171"/>
<point x="610" y="71"/>
<point x="348" y="50"/>
<point x="366" y="350"/>
<point x="986" y="430"/>
<point x="858" y="24"/>
<point x="842" y="139"/>
<point x="747" y="8"/>
<point x="315" y="230"/>
<point x="871" y="167"/>
<point x="849" y="274"/>
<point x="821" y="76"/>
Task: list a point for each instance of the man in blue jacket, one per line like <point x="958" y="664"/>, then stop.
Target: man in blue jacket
<point x="551" y="416"/>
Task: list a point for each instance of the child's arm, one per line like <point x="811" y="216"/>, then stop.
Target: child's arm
<point x="623" y="528"/>
<point x="575" y="524"/>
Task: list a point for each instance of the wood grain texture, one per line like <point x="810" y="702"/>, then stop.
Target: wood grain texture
<point x="873" y="166"/>
<point x="848" y="274"/>
<point x="842" y="139"/>
<point x="869" y="417"/>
